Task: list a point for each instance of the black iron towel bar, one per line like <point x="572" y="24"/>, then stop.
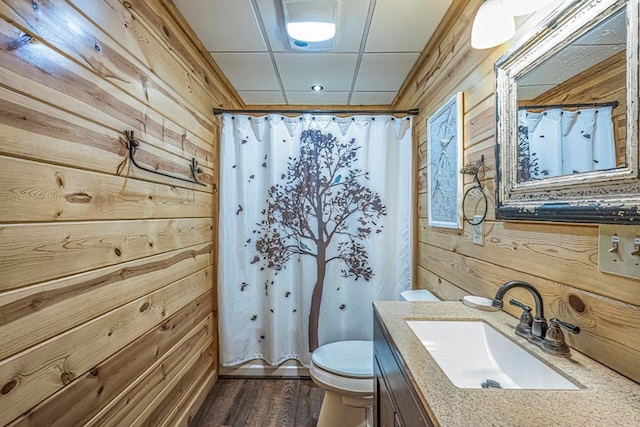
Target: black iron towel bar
<point x="133" y="147"/>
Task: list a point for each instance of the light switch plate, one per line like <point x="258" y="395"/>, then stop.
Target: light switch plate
<point x="478" y="231"/>
<point x="619" y="258"/>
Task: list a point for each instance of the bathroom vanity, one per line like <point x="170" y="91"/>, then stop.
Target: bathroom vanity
<point x="411" y="389"/>
<point x="396" y="400"/>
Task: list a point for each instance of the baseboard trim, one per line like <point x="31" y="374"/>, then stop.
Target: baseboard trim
<point x="256" y="369"/>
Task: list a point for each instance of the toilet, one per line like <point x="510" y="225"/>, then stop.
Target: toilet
<point x="344" y="370"/>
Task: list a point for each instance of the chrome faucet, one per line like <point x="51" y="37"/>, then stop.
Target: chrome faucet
<point x="549" y="339"/>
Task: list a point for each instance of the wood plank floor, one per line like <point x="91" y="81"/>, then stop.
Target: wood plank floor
<point x="261" y="402"/>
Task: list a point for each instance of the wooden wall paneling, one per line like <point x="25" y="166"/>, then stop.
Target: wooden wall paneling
<point x="134" y="37"/>
<point x="38" y="372"/>
<point x="563" y="253"/>
<point x="164" y="16"/>
<point x="109" y="269"/>
<point x="84" y="397"/>
<point x="607" y="325"/>
<point x="187" y="412"/>
<point x="130" y="17"/>
<point x="443" y="289"/>
<point x="56" y="193"/>
<point x="47" y="75"/>
<point x="97" y="52"/>
<point x="145" y="391"/>
<point x="167" y="395"/>
<point x="31" y="253"/>
<point x="192" y="392"/>
<point x="60" y="138"/>
<point x="36" y="313"/>
<point x="440" y="46"/>
<point x="479" y="123"/>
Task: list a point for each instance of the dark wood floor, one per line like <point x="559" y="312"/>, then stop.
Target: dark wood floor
<point x="260" y="402"/>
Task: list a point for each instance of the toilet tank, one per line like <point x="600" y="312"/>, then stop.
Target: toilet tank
<point x="418" y="295"/>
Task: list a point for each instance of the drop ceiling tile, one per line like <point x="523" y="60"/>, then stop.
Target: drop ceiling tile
<point x="248" y="71"/>
<point x="352" y="17"/>
<point x="384" y="71"/>
<point x="299" y="71"/>
<point x="261" y="97"/>
<point x="223" y="25"/>
<point x="404" y="25"/>
<point x="317" y="98"/>
<point x="372" y="98"/>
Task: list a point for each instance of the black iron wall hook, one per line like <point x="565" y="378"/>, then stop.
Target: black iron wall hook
<point x="133" y="147"/>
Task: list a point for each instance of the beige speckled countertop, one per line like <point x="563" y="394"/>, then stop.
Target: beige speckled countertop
<point x="606" y="399"/>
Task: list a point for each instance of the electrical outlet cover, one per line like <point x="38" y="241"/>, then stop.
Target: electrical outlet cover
<point x="478" y="231"/>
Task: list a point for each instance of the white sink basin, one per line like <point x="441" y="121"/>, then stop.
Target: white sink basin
<point x="470" y="353"/>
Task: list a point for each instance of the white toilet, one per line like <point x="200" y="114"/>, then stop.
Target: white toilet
<point x="344" y="370"/>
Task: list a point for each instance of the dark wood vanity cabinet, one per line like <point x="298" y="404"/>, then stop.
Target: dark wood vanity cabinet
<point x="395" y="402"/>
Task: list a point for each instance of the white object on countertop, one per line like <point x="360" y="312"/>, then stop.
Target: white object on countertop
<point x="479" y="303"/>
<point x="418" y="295"/>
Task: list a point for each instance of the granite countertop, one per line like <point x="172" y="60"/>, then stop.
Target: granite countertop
<point x="606" y="398"/>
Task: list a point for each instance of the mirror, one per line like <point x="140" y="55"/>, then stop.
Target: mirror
<point x="567" y="118"/>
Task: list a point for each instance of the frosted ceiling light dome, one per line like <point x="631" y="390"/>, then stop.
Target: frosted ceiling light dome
<point x="311" y="31"/>
<point x="493" y="25"/>
<point x="310" y="20"/>
<point x="525" y="7"/>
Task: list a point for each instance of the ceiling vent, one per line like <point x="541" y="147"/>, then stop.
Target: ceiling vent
<point x="310" y="24"/>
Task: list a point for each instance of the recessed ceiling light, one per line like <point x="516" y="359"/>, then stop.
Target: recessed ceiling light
<point x="317" y="88"/>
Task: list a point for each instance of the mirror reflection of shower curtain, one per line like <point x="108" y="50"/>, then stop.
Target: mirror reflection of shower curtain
<point x="302" y="198"/>
<point x="561" y="142"/>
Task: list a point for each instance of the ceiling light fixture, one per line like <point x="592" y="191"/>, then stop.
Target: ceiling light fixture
<point x="317" y="88"/>
<point x="493" y="25"/>
<point x="310" y="21"/>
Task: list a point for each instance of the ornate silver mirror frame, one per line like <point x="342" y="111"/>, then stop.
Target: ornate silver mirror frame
<point x="605" y="196"/>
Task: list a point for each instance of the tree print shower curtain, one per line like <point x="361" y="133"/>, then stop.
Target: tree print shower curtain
<point x="315" y="224"/>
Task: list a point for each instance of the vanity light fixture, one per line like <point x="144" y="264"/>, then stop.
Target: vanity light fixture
<point x="317" y="88"/>
<point x="493" y="24"/>
<point x="310" y="20"/>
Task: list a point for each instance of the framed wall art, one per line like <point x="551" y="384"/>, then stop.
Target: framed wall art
<point x="444" y="162"/>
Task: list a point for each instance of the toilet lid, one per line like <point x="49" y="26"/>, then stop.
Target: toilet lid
<point x="346" y="358"/>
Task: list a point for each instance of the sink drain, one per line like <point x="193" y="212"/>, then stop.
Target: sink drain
<point x="491" y="384"/>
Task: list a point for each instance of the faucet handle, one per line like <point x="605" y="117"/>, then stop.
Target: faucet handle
<point x="554" y="342"/>
<point x="519" y="304"/>
<point x="526" y="319"/>
<point x="568" y="326"/>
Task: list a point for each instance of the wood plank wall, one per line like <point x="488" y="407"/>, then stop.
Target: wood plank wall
<point x="559" y="259"/>
<point x="107" y="273"/>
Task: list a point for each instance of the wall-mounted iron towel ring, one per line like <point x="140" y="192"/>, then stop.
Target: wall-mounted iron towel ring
<point x="473" y="168"/>
<point x="133" y="147"/>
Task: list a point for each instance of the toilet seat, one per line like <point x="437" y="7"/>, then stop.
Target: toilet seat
<point x="353" y="359"/>
<point x="345" y="367"/>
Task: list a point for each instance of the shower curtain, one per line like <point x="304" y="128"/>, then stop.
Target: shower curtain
<point x="561" y="142"/>
<point x="315" y="224"/>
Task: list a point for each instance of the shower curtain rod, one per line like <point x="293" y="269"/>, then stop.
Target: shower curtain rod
<point x="613" y="104"/>
<point x="412" y="112"/>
